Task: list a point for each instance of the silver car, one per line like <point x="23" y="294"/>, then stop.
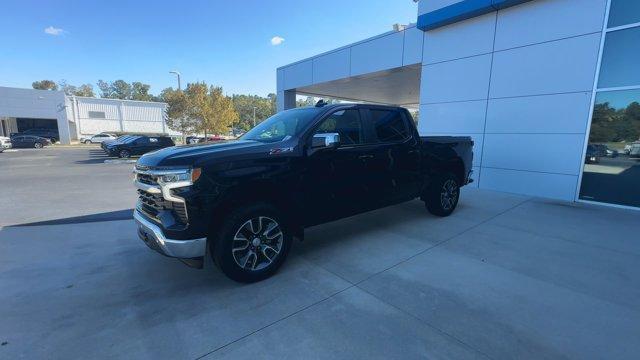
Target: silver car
<point x="5" y="143"/>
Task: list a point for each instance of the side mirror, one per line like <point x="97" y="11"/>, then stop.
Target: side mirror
<point x="328" y="140"/>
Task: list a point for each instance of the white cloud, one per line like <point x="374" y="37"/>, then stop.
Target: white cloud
<point x="277" y="40"/>
<point x="54" y="31"/>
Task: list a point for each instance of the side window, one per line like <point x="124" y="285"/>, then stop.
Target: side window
<point x="389" y="125"/>
<point x="346" y="123"/>
<point x="153" y="140"/>
<point x="142" y="141"/>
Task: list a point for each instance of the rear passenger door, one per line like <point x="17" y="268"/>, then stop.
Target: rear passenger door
<point x="396" y="160"/>
<point x="140" y="146"/>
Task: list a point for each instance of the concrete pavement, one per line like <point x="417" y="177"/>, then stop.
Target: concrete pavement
<point x="504" y="277"/>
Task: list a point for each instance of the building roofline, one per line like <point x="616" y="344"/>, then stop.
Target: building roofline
<point x="116" y="100"/>
<point x="412" y="25"/>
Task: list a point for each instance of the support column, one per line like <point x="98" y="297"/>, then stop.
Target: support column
<point x="121" y="115"/>
<point x="286" y="98"/>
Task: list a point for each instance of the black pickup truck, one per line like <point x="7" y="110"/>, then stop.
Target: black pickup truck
<point x="244" y="201"/>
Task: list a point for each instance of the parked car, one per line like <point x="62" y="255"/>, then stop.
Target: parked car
<point x="212" y="138"/>
<point x="192" y="139"/>
<point x="98" y="138"/>
<point x="50" y="134"/>
<point x="604" y="151"/>
<point x="138" y="145"/>
<point x="634" y="152"/>
<point x="121" y="138"/>
<point x="29" y="141"/>
<point x="245" y="200"/>
<point x="593" y="154"/>
<point x="5" y="142"/>
<point x="627" y="148"/>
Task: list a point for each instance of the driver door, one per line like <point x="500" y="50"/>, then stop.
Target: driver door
<point x="336" y="181"/>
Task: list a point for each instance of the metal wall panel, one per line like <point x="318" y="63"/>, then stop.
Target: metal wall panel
<point x="332" y="66"/>
<point x="550" y="153"/>
<point x="561" y="66"/>
<point x="457" y="80"/>
<point x="552" y="114"/>
<point x="381" y="53"/>
<point x="453" y="118"/>
<point x="470" y="37"/>
<point x="546" y="20"/>
<point x="299" y="74"/>
<point x="556" y="186"/>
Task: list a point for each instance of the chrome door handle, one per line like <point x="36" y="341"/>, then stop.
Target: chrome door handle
<point x="365" y="157"/>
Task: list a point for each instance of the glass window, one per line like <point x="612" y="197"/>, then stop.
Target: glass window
<point x="389" y="125"/>
<point x="611" y="172"/>
<point x="620" y="59"/>
<point x="624" y="12"/>
<point x="282" y="125"/>
<point x="97" y="114"/>
<point x="346" y="123"/>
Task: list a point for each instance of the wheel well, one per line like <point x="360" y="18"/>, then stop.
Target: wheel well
<point x="263" y="192"/>
<point x="456" y="167"/>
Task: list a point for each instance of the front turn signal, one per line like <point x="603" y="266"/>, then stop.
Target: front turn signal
<point x="195" y="174"/>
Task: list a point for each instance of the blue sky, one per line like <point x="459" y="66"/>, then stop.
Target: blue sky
<point x="226" y="43"/>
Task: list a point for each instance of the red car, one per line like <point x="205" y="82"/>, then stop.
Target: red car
<point x="212" y="138"/>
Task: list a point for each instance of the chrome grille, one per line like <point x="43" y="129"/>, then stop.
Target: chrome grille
<point x="153" y="204"/>
<point x="147" y="179"/>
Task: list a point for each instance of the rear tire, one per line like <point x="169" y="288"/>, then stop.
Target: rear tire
<point x="251" y="244"/>
<point x="37" y="145"/>
<point x="124" y="154"/>
<point x="442" y="195"/>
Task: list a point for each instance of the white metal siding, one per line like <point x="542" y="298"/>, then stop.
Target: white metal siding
<point x="521" y="93"/>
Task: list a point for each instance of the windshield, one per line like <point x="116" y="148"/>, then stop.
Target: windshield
<point x="282" y="125"/>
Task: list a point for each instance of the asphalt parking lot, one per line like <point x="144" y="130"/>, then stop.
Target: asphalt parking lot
<point x="504" y="277"/>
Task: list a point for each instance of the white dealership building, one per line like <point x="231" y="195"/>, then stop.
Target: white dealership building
<point x="75" y="117"/>
<point x="547" y="89"/>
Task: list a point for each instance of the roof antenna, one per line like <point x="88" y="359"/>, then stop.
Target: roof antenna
<point x="321" y="103"/>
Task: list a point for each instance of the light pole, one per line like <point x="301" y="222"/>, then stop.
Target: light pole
<point x="178" y="75"/>
<point x="254" y="116"/>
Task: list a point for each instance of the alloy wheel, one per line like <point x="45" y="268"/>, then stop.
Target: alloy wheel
<point x="257" y="243"/>
<point x="449" y="194"/>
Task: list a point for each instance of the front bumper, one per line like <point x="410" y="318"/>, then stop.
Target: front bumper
<point x="151" y="234"/>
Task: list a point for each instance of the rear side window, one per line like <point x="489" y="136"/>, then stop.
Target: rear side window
<point x="389" y="125"/>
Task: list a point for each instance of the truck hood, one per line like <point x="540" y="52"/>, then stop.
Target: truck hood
<point x="188" y="155"/>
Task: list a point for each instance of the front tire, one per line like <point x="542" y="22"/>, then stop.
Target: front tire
<point x="37" y="145"/>
<point x="442" y="195"/>
<point x="251" y="244"/>
<point x="124" y="154"/>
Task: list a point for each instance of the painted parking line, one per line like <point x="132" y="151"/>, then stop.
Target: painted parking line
<point x="10" y="150"/>
<point x="120" y="161"/>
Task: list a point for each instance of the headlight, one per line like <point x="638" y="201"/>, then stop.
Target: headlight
<point x="179" y="176"/>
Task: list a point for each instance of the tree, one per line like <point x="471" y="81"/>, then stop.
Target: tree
<point x="244" y="105"/>
<point x="140" y="91"/>
<point x="176" y="116"/>
<point x="212" y="111"/>
<point x="44" y="85"/>
<point x="121" y="89"/>
<point x="83" y="90"/>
